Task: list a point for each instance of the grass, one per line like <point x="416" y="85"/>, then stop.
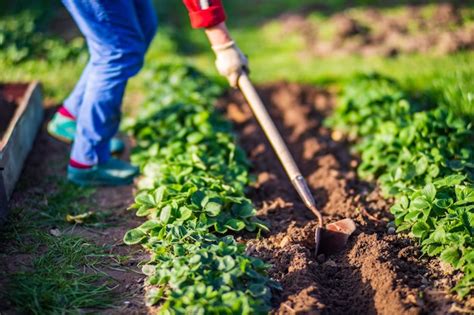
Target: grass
<point x="55" y="274"/>
<point x="64" y="279"/>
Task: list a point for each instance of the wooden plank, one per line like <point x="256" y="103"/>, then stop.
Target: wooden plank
<point x="18" y="141"/>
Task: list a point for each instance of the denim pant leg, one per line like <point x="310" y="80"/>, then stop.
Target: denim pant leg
<point x="117" y="46"/>
<point x="147" y="18"/>
<point x="74" y="100"/>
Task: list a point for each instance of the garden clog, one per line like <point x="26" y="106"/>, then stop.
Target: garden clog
<point x="64" y="128"/>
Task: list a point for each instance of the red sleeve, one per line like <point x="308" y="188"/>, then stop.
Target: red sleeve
<point x="205" y="13"/>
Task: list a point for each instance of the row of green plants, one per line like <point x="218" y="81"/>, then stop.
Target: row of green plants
<point x="421" y="154"/>
<point x="192" y="194"/>
<point x="24" y="35"/>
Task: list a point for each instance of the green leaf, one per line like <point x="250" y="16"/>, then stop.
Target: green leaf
<point x="235" y="225"/>
<point x="153" y="296"/>
<point x="433" y="250"/>
<point x="195" y="137"/>
<point x="195" y="259"/>
<point x="213" y="207"/>
<point x="450" y="180"/>
<point x="443" y="203"/>
<point x="227" y="263"/>
<point x="144" y="210"/>
<point x="403" y="227"/>
<point x="149" y="225"/>
<point x="419" y="229"/>
<point x="420" y="203"/>
<point x="243" y="210"/>
<point x="413" y="215"/>
<point x="429" y="191"/>
<point x="404" y="202"/>
<point x="198" y="197"/>
<point x="258" y="290"/>
<point x="145" y="199"/>
<point x="220" y="228"/>
<point x="165" y="214"/>
<point x="421" y="165"/>
<point x="450" y="256"/>
<point x="160" y="193"/>
<point x="134" y="236"/>
<point x="185" y="213"/>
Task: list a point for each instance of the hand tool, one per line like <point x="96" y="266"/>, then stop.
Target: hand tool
<point x="334" y="237"/>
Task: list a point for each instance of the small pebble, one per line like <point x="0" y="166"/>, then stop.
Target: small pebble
<point x="285" y="241"/>
<point x="55" y="232"/>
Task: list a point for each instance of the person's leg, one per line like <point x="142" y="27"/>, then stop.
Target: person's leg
<point x="73" y="102"/>
<point x="117" y="45"/>
<point x="147" y="19"/>
<point x="63" y="124"/>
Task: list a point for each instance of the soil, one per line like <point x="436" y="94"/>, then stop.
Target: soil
<point x="46" y="162"/>
<point x="370" y="31"/>
<point x="378" y="272"/>
<point x="10" y="97"/>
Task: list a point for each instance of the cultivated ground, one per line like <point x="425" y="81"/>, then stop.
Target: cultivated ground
<point x="378" y="273"/>
<point x="83" y="262"/>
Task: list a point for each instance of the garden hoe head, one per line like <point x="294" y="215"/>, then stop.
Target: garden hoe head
<point x="332" y="238"/>
<point x="328" y="240"/>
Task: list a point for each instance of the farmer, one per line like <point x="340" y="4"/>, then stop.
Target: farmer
<point x="118" y="34"/>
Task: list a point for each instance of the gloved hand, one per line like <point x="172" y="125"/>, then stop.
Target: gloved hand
<point x="230" y="62"/>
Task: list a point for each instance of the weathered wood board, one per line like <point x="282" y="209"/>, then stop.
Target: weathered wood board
<point x="17" y="137"/>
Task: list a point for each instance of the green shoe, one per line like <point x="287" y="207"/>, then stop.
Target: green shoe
<point x="112" y="173"/>
<point x="64" y="129"/>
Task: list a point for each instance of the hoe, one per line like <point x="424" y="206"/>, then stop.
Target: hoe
<point x="334" y="237"/>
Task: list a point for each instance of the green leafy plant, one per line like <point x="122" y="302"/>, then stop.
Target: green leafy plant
<point x="22" y="37"/>
<point x="424" y="157"/>
<point x="192" y="192"/>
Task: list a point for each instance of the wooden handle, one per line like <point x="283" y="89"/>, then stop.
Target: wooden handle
<point x="268" y="127"/>
<point x="278" y="145"/>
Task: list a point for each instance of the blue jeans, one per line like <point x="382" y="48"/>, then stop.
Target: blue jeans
<point x="118" y="34"/>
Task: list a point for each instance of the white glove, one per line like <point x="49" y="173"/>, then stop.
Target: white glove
<point x="230" y="62"/>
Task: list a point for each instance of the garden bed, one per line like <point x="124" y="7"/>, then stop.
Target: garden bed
<point x="378" y="272"/>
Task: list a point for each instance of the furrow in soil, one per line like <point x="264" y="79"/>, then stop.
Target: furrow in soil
<point x="377" y="273"/>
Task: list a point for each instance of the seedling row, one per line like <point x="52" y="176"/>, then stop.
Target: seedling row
<point x="422" y="155"/>
<point x="192" y="194"/>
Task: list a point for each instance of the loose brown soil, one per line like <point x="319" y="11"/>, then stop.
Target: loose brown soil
<point x="377" y="273"/>
<point x="444" y="29"/>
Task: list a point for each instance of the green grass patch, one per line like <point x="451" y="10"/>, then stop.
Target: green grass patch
<point x="56" y="272"/>
<point x="64" y="279"/>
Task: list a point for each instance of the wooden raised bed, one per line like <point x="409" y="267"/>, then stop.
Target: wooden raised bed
<point x="21" y="114"/>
